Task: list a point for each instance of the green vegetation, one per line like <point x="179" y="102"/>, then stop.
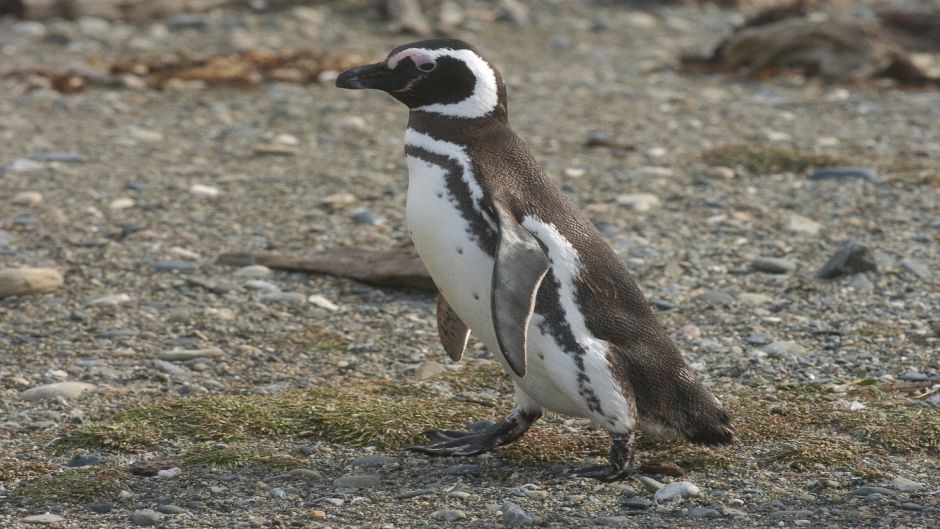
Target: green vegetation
<point x="765" y="159"/>
<point x="75" y="486"/>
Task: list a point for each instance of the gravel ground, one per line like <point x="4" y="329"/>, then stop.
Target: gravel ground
<point x="164" y="181"/>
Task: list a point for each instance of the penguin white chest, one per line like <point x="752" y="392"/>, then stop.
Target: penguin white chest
<point x="461" y="270"/>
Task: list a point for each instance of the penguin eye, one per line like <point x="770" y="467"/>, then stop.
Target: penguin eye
<point x="427" y="66"/>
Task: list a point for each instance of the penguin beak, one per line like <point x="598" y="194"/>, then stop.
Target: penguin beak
<point x="377" y="76"/>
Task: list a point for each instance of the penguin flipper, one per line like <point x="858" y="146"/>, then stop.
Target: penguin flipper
<point x="452" y="331"/>
<point x="518" y="271"/>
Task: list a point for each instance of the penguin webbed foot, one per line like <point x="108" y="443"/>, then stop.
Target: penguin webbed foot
<point x="620" y="465"/>
<point x="482" y="437"/>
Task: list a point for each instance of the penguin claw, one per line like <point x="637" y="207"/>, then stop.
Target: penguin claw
<point x="604" y="473"/>
<point x="462" y="444"/>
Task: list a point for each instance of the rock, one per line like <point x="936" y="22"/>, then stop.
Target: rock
<point x="637" y="503"/>
<point x="800" y="224"/>
<point x="373" y="461"/>
<point x="170" y="509"/>
<point x="169" y="473"/>
<point x="784" y="348"/>
<point x="101" y="507"/>
<point x="752" y="298"/>
<point x="338" y="200"/>
<point x="662" y="304"/>
<point x="611" y="521"/>
<point x="28" y="281"/>
<point x="66" y="390"/>
<point x="171" y="369"/>
<point x="720" y="173"/>
<point x="121" y="203"/>
<point x="513" y="515"/>
<point x="364" y="217"/>
<point x="253" y="271"/>
<point x="429" y="370"/>
<point x="183" y="355"/>
<point x="358" y="481"/>
<point x="790" y="513"/>
<point x="914" y="376"/>
<point x="351" y="123"/>
<point x="85" y="460"/>
<point x="649" y="483"/>
<point x="463" y="469"/>
<point x="448" y="515"/>
<point x="407" y="16"/>
<point x="702" y="512"/>
<point x="174" y="265"/>
<point x="915" y="267"/>
<point x="180" y="21"/>
<point x="773" y="265"/>
<point x="715" y="298"/>
<point x="860" y="282"/>
<point x="850" y="259"/>
<point x="144" y="135"/>
<point x="278" y="493"/>
<point x="842" y="173"/>
<point x="47" y="518"/>
<point x="61" y="157"/>
<point x="906" y="485"/>
<point x="204" y="191"/>
<point x="282" y="297"/>
<point x="111" y="299"/>
<point x="413" y="494"/>
<point x="868" y="490"/>
<point x="23" y="165"/>
<point x="322" y="302"/>
<point x="27" y="198"/>
<point x="639" y="202"/>
<point x="146" y="517"/>
<point x="264" y="286"/>
<point x="676" y="490"/>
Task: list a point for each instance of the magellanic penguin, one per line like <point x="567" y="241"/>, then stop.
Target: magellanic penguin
<point x="517" y="264"/>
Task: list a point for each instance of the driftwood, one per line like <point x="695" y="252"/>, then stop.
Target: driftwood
<point x="399" y="267"/>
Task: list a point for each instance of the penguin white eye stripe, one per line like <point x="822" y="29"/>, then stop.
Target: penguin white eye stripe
<point x="423" y="60"/>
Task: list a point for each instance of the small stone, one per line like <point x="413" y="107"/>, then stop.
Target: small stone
<point x="639" y="202"/>
<point x="799" y="224"/>
<point x="611" y="521"/>
<point x="413" y="494"/>
<point x="65" y="390"/>
<point x="264" y="286"/>
<point x="111" y="299"/>
<point x="373" y="461"/>
<point x="174" y="265"/>
<point x="676" y="490"/>
<point x="790" y="513"/>
<point x="101" y="507"/>
<point x="753" y="298"/>
<point x="338" y="200"/>
<point x="715" y="298"/>
<point x="429" y="370"/>
<point x="536" y="494"/>
<point x="784" y="348"/>
<point x="181" y="21"/>
<point x="364" y="217"/>
<point x="773" y="265"/>
<point x="662" y="304"/>
<point x="640" y="19"/>
<point x="702" y="512"/>
<point x="28" y="281"/>
<point x="637" y="503"/>
<point x="350" y="123"/>
<point x="204" y="191"/>
<point x="282" y="297"/>
<point x="317" y="514"/>
<point x="146" y="517"/>
<point x="870" y="489"/>
<point x="47" y="518"/>
<point x="860" y="282"/>
<point x="850" y="259"/>
<point x="915" y="267"/>
<point x="27" y="198"/>
<point x="720" y="173"/>
<point x="462" y="470"/>
<point x="171" y="509"/>
<point x="322" y="302"/>
<point x="278" y="493"/>
<point x="169" y="473"/>
<point x="514" y="515"/>
<point x="649" y="483"/>
<point x="305" y="473"/>
<point x="358" y="481"/>
<point x="85" y="460"/>
<point x="183" y="355"/>
<point x="23" y="165"/>
<point x="171" y="369"/>
<point x="574" y="172"/>
<point x="253" y="271"/>
<point x="121" y="203"/>
<point x="914" y="376"/>
<point x="142" y="134"/>
<point x="448" y="515"/>
<point x="842" y="173"/>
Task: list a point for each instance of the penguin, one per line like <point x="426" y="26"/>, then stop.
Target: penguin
<point x="521" y="268"/>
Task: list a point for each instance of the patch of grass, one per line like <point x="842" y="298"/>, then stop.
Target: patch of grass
<point x="554" y="444"/>
<point x="13" y="469"/>
<point x="222" y="456"/>
<point x="897" y="426"/>
<point x="766" y="159"/>
<point x="73" y="486"/>
<point x="311" y="339"/>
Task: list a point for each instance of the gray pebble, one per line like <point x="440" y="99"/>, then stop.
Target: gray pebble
<point x="170" y="509"/>
<point x="773" y="265"/>
<point x="413" y="494"/>
<point x="305" y="473"/>
<point x="702" y="512"/>
<point x="170" y="368"/>
<point x="514" y="515"/>
<point x="253" y="271"/>
<point x="784" y="348"/>
<point x="651" y="484"/>
<point x="448" y="515"/>
<point x="174" y="265"/>
<point x="358" y="481"/>
<point x="146" y="517"/>
<point x="66" y="390"/>
<point x="62" y="157"/>
<point x="185" y="21"/>
<point x="716" y="297"/>
<point x="842" y="173"/>
<point x="870" y="489"/>
<point x="906" y="485"/>
<point x="850" y="259"/>
<point x="365" y="217"/>
<point x="264" y="286"/>
<point x="462" y="470"/>
<point x="860" y="282"/>
<point x="372" y="461"/>
<point x="278" y="493"/>
<point x="282" y="297"/>
<point x="637" y="503"/>
<point x="914" y="376"/>
<point x="44" y="519"/>
<point x="911" y="506"/>
<point x="915" y="267"/>
<point x="780" y="515"/>
<point x="758" y="338"/>
<point x="101" y="507"/>
<point x="85" y="460"/>
<point x="611" y="521"/>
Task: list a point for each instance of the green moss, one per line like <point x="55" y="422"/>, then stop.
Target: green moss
<point x="74" y="486"/>
<point x="897" y="426"/>
<point x="765" y="159"/>
<point x="311" y="339"/>
<point x="13" y="469"/>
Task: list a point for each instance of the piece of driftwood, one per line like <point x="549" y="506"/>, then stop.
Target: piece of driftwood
<point x="836" y="49"/>
<point x="916" y="29"/>
<point x="397" y="267"/>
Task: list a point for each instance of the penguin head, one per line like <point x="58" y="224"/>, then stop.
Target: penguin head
<point x="443" y="76"/>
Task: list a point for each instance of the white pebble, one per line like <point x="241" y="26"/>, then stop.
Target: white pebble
<point x="170" y="473"/>
<point x="201" y="190"/>
<point x="322" y="302"/>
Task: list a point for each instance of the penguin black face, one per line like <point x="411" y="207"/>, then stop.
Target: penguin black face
<point x="443" y="76"/>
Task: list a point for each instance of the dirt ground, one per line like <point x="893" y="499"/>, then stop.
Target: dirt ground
<point x="302" y="390"/>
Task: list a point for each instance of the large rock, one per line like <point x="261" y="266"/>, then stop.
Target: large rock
<point x="66" y="390"/>
<point x="27" y="281"/>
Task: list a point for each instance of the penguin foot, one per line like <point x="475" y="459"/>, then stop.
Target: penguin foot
<point x="620" y="465"/>
<point x="484" y="438"/>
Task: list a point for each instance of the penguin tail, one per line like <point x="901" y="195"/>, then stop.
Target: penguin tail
<point x="701" y="419"/>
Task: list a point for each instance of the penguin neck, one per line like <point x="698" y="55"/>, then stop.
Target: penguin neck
<point x="454" y="129"/>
